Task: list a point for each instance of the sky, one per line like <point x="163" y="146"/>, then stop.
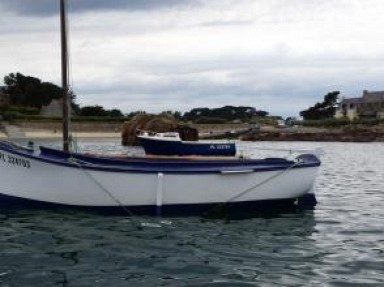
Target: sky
<point x="281" y="56"/>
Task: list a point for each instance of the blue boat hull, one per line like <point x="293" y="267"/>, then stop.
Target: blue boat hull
<point x="179" y="148"/>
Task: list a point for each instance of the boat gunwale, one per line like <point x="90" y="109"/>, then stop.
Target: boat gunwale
<point x="161" y="167"/>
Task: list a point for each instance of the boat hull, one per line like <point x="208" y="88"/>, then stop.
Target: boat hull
<point x="154" y="146"/>
<point x="234" y="209"/>
<point x="68" y="182"/>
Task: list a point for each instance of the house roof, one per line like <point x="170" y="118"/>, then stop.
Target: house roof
<point x="376" y="96"/>
<point x="351" y="100"/>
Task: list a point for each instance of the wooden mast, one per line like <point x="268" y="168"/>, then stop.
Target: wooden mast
<point x="64" y="73"/>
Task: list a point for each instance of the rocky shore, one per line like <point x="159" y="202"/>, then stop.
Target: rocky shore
<point x="347" y="134"/>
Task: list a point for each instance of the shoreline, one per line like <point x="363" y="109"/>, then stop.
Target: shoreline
<point x="355" y="134"/>
<point x="345" y="134"/>
<point x="57" y="135"/>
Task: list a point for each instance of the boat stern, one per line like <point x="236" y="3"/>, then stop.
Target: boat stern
<point x="308" y="200"/>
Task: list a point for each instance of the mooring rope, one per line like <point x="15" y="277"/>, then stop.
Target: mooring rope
<point x="262" y="182"/>
<point x="317" y="151"/>
<point x="136" y="223"/>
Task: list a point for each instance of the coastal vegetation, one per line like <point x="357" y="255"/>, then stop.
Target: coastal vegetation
<point x="322" y="115"/>
<point x="227" y="113"/>
<point x="323" y="110"/>
<point x="29" y="92"/>
<point x="27" y="95"/>
<point x="23" y="98"/>
<point x="334" y="123"/>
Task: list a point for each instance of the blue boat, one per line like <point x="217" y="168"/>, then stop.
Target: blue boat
<point x="170" y="143"/>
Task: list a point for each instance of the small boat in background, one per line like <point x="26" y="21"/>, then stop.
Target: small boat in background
<point x="170" y="143"/>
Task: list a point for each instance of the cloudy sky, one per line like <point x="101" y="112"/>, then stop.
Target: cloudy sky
<point x="276" y="55"/>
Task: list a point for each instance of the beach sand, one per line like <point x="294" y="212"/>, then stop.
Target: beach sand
<point x="49" y="134"/>
<point x="55" y="135"/>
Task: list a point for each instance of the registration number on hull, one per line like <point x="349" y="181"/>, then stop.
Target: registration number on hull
<point x="13" y="160"/>
<point x="220" y="146"/>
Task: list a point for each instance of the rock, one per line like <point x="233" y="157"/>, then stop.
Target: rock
<point x="346" y="135"/>
<point x="187" y="133"/>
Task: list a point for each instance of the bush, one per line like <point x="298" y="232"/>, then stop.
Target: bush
<point x="10" y="116"/>
<point x="368" y="122"/>
<point x="209" y="120"/>
<point x="327" y="123"/>
<point x="21" y="110"/>
<point x="332" y="123"/>
<point x="98" y="119"/>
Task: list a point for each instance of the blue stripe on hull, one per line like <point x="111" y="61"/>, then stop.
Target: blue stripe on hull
<point x="212" y="210"/>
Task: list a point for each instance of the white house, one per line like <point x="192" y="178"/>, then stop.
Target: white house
<point x="370" y="105"/>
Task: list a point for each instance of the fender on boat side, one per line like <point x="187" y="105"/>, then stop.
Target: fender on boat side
<point x="308" y="158"/>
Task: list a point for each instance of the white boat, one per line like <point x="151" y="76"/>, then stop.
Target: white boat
<point x="45" y="177"/>
<point x="52" y="177"/>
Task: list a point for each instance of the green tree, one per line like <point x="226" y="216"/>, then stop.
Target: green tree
<point x="74" y="106"/>
<point x="30" y="91"/>
<point x="175" y="114"/>
<point x="228" y="113"/>
<point x="323" y="110"/>
<point x="115" y="113"/>
<point x="93" y="111"/>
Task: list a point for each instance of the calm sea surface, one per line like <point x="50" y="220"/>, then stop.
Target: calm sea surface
<point x="340" y="243"/>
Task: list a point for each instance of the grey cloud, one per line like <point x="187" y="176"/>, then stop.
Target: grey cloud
<point x="51" y="7"/>
<point x="280" y="85"/>
<point x="185" y="94"/>
<point x="277" y="96"/>
<point x="228" y="23"/>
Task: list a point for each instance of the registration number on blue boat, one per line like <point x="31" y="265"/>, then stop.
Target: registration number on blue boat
<point x="14" y="160"/>
<point x="220" y="146"/>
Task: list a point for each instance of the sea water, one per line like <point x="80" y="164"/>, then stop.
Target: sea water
<point x="340" y="243"/>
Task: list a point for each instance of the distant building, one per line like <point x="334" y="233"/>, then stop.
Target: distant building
<point x="280" y="123"/>
<point x="370" y="105"/>
<point x="53" y="109"/>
